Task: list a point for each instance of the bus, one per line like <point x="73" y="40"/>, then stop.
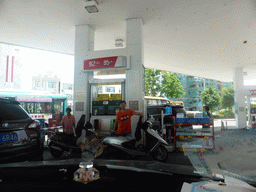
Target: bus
<point x="39" y="104"/>
<point x="177" y="103"/>
<point x="155" y="101"/>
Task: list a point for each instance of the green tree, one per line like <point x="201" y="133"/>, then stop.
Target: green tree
<point x="152" y="82"/>
<point x="210" y="97"/>
<point x="227" y="99"/>
<point x="162" y="83"/>
<point x="171" y="86"/>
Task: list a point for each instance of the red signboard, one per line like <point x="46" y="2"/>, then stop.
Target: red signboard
<point x="105" y="62"/>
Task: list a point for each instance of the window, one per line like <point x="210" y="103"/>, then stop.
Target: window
<point x="38" y="108"/>
<point x="46" y="108"/>
<point x="164" y="102"/>
<point x="30" y="107"/>
<point x="100" y="89"/>
<point x="110" y="89"/>
<point x="38" y="84"/>
<point x="51" y="84"/>
<point x="9" y="111"/>
<point x="67" y="86"/>
<point x="152" y="102"/>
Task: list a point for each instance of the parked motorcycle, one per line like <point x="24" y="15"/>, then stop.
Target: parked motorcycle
<point x="85" y="140"/>
<point x="154" y="144"/>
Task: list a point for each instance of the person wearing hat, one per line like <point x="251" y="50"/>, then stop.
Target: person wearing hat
<point x="123" y="120"/>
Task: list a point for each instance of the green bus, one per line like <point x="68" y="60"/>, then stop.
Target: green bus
<point x="39" y="104"/>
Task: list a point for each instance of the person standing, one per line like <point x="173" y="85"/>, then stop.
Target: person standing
<point x="68" y="122"/>
<point x="208" y="114"/>
<point x="206" y="110"/>
<point x="123" y="120"/>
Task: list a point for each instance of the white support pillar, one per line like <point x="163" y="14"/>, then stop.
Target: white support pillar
<point x="248" y="99"/>
<point x="135" y="76"/>
<point x="84" y="42"/>
<point x="240" y="107"/>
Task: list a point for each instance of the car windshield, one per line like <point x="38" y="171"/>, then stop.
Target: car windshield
<point x="166" y="86"/>
<point x="7" y="112"/>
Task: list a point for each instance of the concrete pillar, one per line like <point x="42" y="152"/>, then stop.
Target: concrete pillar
<point x="248" y="99"/>
<point x="135" y="76"/>
<point x="84" y="42"/>
<point x="240" y="106"/>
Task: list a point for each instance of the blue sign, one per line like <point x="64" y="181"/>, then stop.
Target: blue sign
<point x="8" y="137"/>
<point x="41" y="122"/>
<point x="42" y="132"/>
<point x="200" y="104"/>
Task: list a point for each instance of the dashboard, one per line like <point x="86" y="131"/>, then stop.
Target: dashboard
<point x="112" y="177"/>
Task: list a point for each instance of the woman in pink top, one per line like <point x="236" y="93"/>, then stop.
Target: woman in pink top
<point x="68" y="122"/>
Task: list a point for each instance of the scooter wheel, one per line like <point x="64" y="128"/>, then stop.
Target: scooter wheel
<point x="160" y="154"/>
<point x="54" y="152"/>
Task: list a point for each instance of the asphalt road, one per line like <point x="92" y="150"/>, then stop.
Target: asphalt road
<point x="234" y="151"/>
<point x="177" y="158"/>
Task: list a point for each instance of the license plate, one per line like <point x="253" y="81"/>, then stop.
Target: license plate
<point x="8" y="137"/>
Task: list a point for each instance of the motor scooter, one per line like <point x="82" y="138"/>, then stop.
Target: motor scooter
<point x="154" y="144"/>
<point x="61" y="143"/>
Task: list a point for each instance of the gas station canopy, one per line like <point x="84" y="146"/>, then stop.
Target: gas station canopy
<point x="201" y="38"/>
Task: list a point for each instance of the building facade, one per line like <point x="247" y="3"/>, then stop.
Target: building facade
<point x="46" y="83"/>
<point x="68" y="89"/>
<point x="54" y="85"/>
<point x="193" y="87"/>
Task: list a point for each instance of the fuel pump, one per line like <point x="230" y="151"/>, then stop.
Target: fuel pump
<point x="106" y="82"/>
<point x="252" y="114"/>
<point x="105" y="103"/>
<point x="251" y="108"/>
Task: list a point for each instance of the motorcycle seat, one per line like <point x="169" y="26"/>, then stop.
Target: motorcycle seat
<point x="129" y="144"/>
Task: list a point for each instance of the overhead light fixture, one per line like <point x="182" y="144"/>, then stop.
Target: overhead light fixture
<point x="119" y="43"/>
<point x="91" y="6"/>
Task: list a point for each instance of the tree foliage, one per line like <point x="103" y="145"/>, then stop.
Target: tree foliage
<point x="152" y="82"/>
<point x="171" y="86"/>
<point x="162" y="83"/>
<point x="227" y="99"/>
<point x="210" y="97"/>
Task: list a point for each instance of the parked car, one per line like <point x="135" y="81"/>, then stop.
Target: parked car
<point x="19" y="134"/>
